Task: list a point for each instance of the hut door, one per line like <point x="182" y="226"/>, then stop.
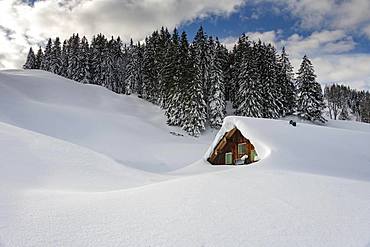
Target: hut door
<point x="229" y="158"/>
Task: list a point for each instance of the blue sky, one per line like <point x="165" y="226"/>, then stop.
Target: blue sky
<point x="335" y="34"/>
<point x="262" y="17"/>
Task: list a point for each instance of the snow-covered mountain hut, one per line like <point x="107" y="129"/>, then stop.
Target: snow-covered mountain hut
<point x="233" y="148"/>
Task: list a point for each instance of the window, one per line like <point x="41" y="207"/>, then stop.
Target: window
<point x="229" y="158"/>
<point x="241" y="148"/>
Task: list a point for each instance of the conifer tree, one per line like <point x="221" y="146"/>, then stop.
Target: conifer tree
<point x="45" y="64"/>
<point x="181" y="76"/>
<point x="55" y="57"/>
<point x="139" y="70"/>
<point x="310" y="103"/>
<point x="84" y="59"/>
<point x="171" y="78"/>
<point x="130" y="73"/>
<point x="114" y="66"/>
<point x="31" y="60"/>
<point x="39" y="57"/>
<point x="286" y="82"/>
<point x="250" y="103"/>
<point x="268" y="68"/>
<point x="99" y="54"/>
<point x="110" y="77"/>
<point x="217" y="103"/>
<point x="240" y="55"/>
<point x="195" y="112"/>
<point x="365" y="108"/>
<point x="163" y="46"/>
<point x="64" y="58"/>
<point x="74" y="65"/>
<point x="201" y="61"/>
<point x="120" y="64"/>
<point x="151" y="69"/>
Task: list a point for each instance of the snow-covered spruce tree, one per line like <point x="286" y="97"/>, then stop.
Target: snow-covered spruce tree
<point x="55" y="57"/>
<point x="163" y="46"/>
<point x="139" y="70"/>
<point x="286" y="82"/>
<point x="223" y="55"/>
<point x="148" y="69"/>
<point x="310" y="104"/>
<point x="268" y="68"/>
<point x="195" y="111"/>
<point x="217" y="104"/>
<point x="334" y="101"/>
<point x="172" y="89"/>
<point x="365" y="108"/>
<point x="133" y="69"/>
<point x="242" y="50"/>
<point x="109" y="72"/>
<point x="151" y="69"/>
<point x="339" y="101"/>
<point x="120" y="59"/>
<point x="176" y="54"/>
<point x="74" y="65"/>
<point x="250" y="88"/>
<point x="99" y="54"/>
<point x="182" y="75"/>
<point x="130" y="72"/>
<point x="39" y="57"/>
<point x="344" y="114"/>
<point x="201" y="61"/>
<point x="84" y="58"/>
<point x="45" y="64"/>
<point x="114" y="66"/>
<point x="64" y="58"/>
<point x="31" y="60"/>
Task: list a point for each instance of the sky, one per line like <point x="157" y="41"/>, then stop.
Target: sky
<point x="335" y="34"/>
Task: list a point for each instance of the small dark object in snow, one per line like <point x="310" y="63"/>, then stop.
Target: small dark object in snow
<point x="291" y="122"/>
<point x="176" y="134"/>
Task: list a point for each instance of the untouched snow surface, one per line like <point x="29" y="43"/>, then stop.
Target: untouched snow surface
<point x="82" y="166"/>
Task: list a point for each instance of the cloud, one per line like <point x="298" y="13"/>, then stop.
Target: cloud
<point x="348" y="69"/>
<point x="333" y="14"/>
<point x="30" y="25"/>
<point x="324" y="42"/>
<point x="332" y="57"/>
<point x="366" y="31"/>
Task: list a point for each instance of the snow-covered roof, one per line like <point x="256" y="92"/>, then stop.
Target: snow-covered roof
<point x="241" y="123"/>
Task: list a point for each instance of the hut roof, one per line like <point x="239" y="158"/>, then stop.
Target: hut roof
<point x="228" y="125"/>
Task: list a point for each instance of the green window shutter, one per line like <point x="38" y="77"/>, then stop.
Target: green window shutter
<point x="228" y="158"/>
<point x="254" y="155"/>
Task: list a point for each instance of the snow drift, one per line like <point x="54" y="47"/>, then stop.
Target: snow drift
<point x="82" y="166"/>
<point x="305" y="148"/>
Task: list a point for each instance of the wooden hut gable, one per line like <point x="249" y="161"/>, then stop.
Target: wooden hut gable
<point x="229" y="144"/>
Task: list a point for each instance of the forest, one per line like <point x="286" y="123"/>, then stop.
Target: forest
<point x="193" y="81"/>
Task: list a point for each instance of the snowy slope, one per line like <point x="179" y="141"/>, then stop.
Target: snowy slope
<point x="82" y="166"/>
<point x="91" y="116"/>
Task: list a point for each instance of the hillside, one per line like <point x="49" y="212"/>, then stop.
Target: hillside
<point x="82" y="166"/>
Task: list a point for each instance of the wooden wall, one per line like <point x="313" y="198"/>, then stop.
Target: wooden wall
<point x="218" y="155"/>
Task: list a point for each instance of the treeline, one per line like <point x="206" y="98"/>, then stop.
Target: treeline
<point x="345" y="103"/>
<point x="191" y="81"/>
